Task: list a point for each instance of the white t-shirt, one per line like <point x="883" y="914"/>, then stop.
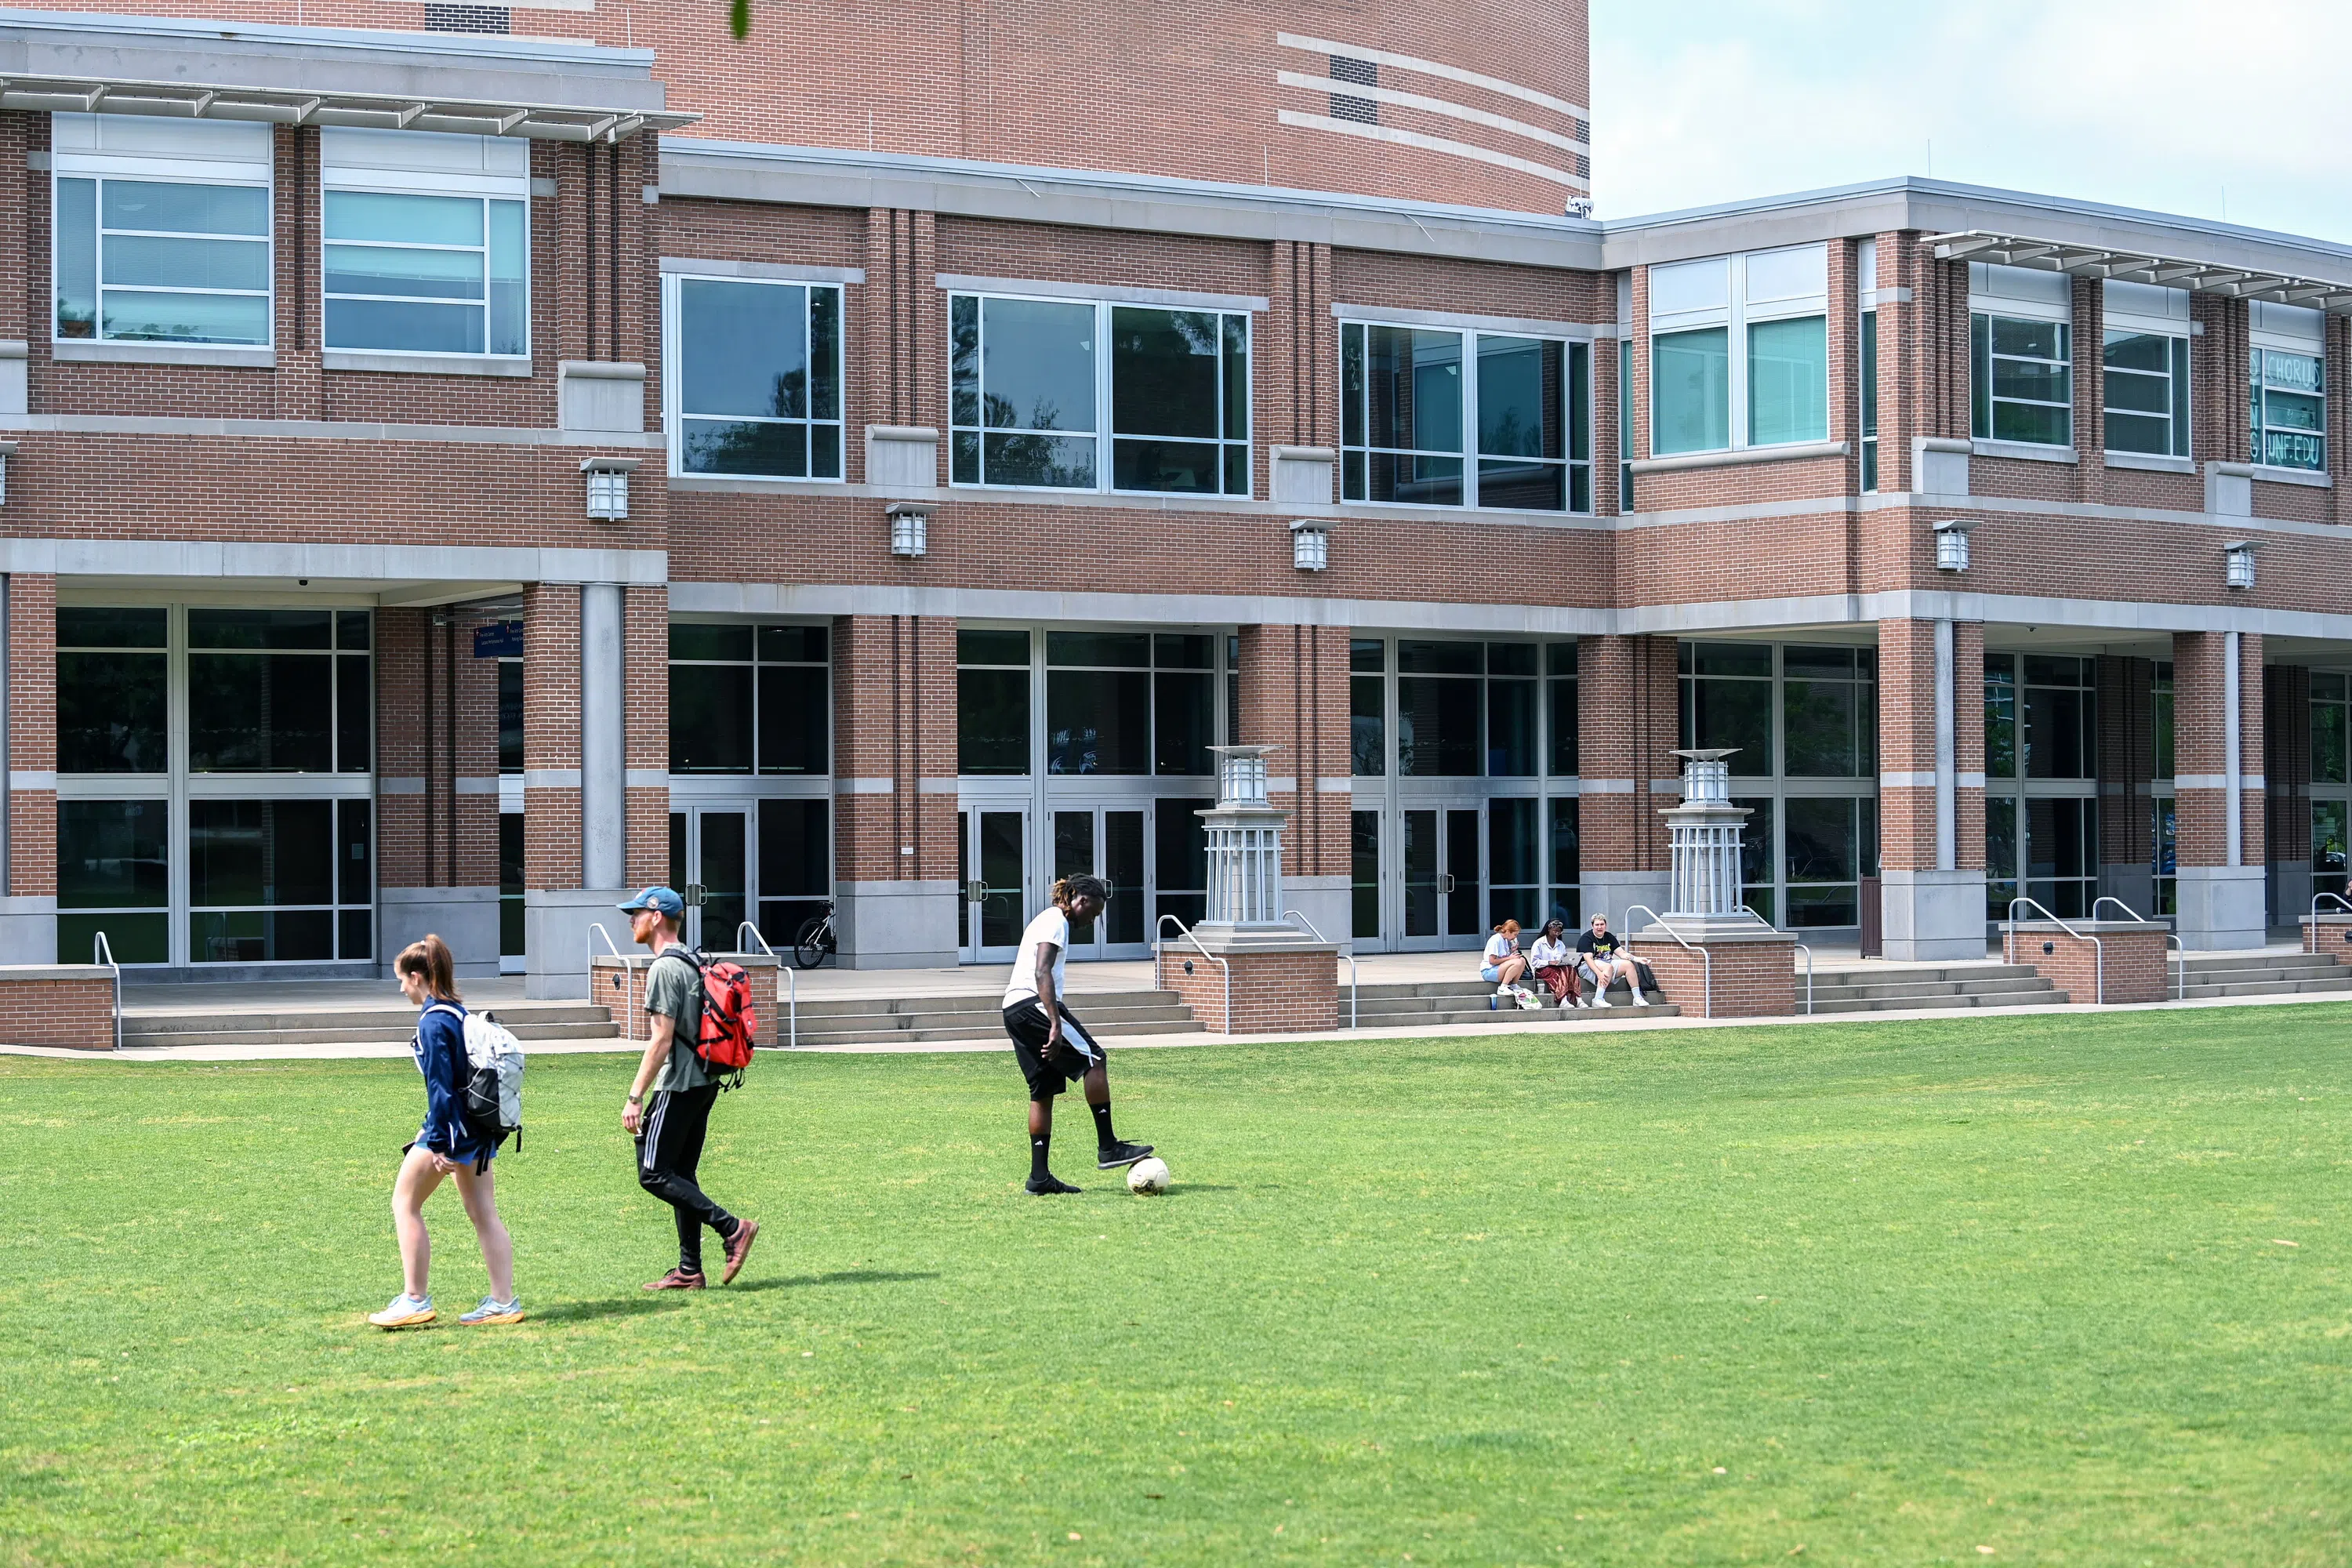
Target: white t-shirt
<point x="1548" y="953"/>
<point x="1500" y="947"/>
<point x="1051" y="926"/>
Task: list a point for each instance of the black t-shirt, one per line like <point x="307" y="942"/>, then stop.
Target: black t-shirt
<point x="1605" y="946"/>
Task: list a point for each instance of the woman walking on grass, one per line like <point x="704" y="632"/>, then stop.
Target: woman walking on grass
<point x="444" y="1147"/>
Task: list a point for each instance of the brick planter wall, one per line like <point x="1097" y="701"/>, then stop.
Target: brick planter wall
<point x="1754" y="978"/>
<point x="622" y="988"/>
<point x="66" y="1004"/>
<point x="1273" y="992"/>
<point x="2138" y="966"/>
<point x="2330" y="935"/>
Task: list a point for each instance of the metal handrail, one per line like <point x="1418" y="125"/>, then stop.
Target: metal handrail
<point x="1808" y="952"/>
<point x="792" y="980"/>
<point x="629" y="1018"/>
<point x="101" y="952"/>
<point x="1186" y="931"/>
<point x="1706" y="959"/>
<point x="2099" y="947"/>
<point x="1347" y="950"/>
<point x="2332" y="898"/>
<point x="2180" y="971"/>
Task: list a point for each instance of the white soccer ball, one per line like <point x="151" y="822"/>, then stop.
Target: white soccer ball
<point x="1147" y="1178"/>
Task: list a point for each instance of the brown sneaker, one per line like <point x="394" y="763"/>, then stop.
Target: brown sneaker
<point x="675" y="1280"/>
<point x="739" y="1247"/>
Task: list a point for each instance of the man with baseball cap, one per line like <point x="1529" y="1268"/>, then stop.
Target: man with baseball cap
<point x="669" y="1126"/>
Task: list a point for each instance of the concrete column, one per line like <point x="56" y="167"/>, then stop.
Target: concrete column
<point x="29" y="732"/>
<point x="1931" y="789"/>
<point x="2286" y="804"/>
<point x="1627" y="688"/>
<point x="436" y="787"/>
<point x="2126" y="690"/>
<point x="2217" y="729"/>
<point x="1294" y="682"/>
<point x="575" y="820"/>
<point x="895" y="901"/>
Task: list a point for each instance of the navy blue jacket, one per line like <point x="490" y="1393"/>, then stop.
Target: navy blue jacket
<point x="440" y="1050"/>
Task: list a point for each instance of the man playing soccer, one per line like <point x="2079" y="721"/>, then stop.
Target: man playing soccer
<point x="1050" y="1044"/>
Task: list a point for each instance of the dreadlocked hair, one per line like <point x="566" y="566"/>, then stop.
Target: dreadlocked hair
<point x="1068" y="891"/>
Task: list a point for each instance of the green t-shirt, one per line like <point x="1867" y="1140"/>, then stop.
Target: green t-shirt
<point x="674" y="990"/>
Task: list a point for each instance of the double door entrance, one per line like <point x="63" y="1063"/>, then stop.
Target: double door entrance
<point x="765" y="861"/>
<point x="1442" y="874"/>
<point x="1007" y="865"/>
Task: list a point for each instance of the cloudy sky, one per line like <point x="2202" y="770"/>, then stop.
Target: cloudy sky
<point x="2195" y="107"/>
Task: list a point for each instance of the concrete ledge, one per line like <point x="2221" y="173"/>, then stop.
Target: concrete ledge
<point x="1683" y="460"/>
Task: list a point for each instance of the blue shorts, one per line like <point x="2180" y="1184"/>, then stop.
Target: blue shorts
<point x="1490" y="974"/>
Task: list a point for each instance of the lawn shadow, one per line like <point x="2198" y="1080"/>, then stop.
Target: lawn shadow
<point x="840" y="1276"/>
<point x="612" y="1307"/>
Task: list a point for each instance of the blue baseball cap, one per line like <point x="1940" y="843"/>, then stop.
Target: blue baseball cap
<point x="664" y="900"/>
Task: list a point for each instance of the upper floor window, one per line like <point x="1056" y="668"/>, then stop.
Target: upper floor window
<point x="750" y="698"/>
<point x="1867" y="291"/>
<point x="1739" y="352"/>
<point x="2288" y="386"/>
<point x="757" y="377"/>
<point x="1030" y="385"/>
<point x="1437" y="416"/>
<point x="2020" y="354"/>
<point x="427" y="245"/>
<point x="2146" y="369"/>
<point x="162" y="230"/>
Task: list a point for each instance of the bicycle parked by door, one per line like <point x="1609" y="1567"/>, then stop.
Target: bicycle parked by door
<point x="814" y="944"/>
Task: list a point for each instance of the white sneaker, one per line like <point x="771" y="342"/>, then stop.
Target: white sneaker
<point x="493" y="1310"/>
<point x="405" y="1311"/>
<point x="1640" y="1000"/>
<point x="1600" y="999"/>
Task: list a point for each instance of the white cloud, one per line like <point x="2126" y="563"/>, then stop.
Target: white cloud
<point x="2164" y="104"/>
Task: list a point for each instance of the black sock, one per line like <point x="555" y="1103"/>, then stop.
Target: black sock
<point x="1103" y="1134"/>
<point x="1039" y="1142"/>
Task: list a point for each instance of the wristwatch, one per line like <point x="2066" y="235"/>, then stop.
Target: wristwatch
<point x="636" y="1099"/>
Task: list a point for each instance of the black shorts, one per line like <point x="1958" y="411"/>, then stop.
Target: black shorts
<point x="1026" y="1022"/>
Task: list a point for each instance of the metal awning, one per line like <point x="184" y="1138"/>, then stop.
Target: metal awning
<point x="2140" y="266"/>
<point x="382" y="111"/>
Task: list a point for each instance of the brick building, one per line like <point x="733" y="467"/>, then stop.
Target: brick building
<point x="453" y="475"/>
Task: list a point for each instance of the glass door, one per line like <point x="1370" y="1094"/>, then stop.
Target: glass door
<point x="708" y="850"/>
<point x="994" y="847"/>
<point x="1444" y="885"/>
<point x="1106" y="843"/>
<point x="1366" y="923"/>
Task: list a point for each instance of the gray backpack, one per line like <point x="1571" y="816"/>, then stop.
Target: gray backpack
<point x="491" y="1097"/>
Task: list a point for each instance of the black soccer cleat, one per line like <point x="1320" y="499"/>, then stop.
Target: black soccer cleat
<point x="1113" y="1155"/>
<point x="1045" y="1185"/>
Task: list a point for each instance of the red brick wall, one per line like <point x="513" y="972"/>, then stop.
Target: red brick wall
<point x="1272" y="993"/>
<point x="551" y="733"/>
<point x="2136" y="963"/>
<point x="437" y="720"/>
<point x="2198" y="697"/>
<point x="894" y="693"/>
<point x="32" y="733"/>
<point x="1906" y="742"/>
<point x="1628" y="699"/>
<point x="66" y="1011"/>
<point x="644" y="631"/>
<point x="1294" y="683"/>
<point x="1752" y="979"/>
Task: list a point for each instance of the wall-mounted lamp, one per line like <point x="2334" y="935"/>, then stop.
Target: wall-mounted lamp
<point x="1310" y="544"/>
<point x="910" y="527"/>
<point x="2237" y="564"/>
<point x="608" y="487"/>
<point x="1952" y="543"/>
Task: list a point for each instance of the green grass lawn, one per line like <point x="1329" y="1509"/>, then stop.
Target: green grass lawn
<point x="1894" y="1292"/>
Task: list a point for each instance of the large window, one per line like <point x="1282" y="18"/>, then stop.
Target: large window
<point x="992" y="702"/>
<point x="1804" y="720"/>
<point x="1436" y="416"/>
<point x="749" y="699"/>
<point x="2147" y="369"/>
<point x="757" y="374"/>
<point x="162" y="230"/>
<point x="1739" y="352"/>
<point x="2021" y="351"/>
<point x="1034" y="402"/>
<point x="1129" y="702"/>
<point x="2331" y="774"/>
<point x="1467" y="709"/>
<point x="426" y="242"/>
<point x="1866" y="292"/>
<point x="2287" y="376"/>
<point x="216" y="803"/>
<point x="1367" y="707"/>
<point x="2041" y="718"/>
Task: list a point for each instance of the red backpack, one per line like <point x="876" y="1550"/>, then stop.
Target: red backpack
<point x="730" y="1024"/>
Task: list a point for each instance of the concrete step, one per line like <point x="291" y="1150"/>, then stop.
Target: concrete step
<point x="1086" y="1004"/>
<point x="993" y="1034"/>
<point x="2211" y="971"/>
<point x="1904" y="991"/>
<point x="386" y="1023"/>
<point x="2197" y="988"/>
<point x="1920" y="1004"/>
<point x="1370" y="1017"/>
<point x="183" y="1038"/>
